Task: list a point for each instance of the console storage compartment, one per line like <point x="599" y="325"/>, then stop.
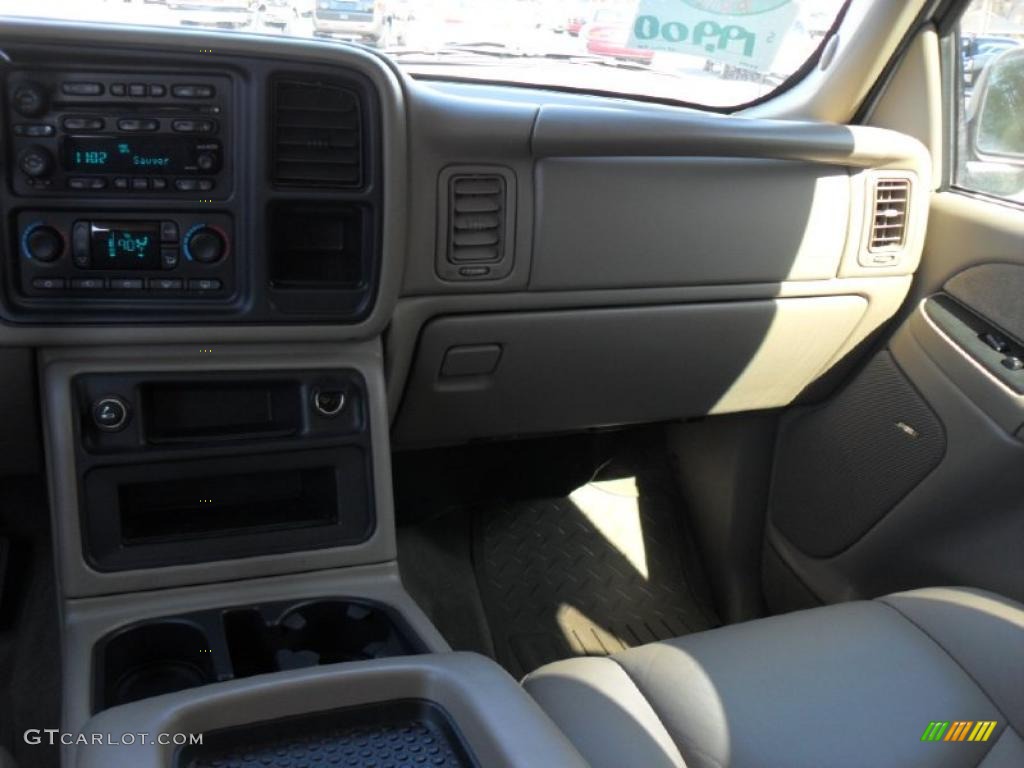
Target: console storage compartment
<point x="201" y="467"/>
<point x="405" y="732"/>
<point x="147" y="515"/>
<point x="448" y="709"/>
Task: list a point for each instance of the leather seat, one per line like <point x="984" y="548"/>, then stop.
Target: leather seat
<point x="855" y="684"/>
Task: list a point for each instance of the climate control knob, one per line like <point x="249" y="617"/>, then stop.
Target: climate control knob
<point x="43" y="243"/>
<point x="205" y="245"/>
<point x="36" y="162"/>
<point x="29" y="99"/>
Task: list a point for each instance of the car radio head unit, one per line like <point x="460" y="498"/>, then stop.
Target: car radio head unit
<point x="98" y="134"/>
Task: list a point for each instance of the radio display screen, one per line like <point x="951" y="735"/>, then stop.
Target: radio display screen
<point x="129" y="156"/>
<point x="124" y="245"/>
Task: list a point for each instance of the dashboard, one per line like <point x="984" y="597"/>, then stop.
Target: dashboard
<point x="177" y="187"/>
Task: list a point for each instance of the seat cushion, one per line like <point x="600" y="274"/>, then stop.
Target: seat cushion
<point x="855" y="684"/>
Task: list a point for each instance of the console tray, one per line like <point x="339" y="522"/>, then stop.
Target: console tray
<point x="397" y="733"/>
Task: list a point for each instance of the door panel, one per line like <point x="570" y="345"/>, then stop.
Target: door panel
<point x="961" y="522"/>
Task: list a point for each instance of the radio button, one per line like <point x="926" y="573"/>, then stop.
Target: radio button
<point x="205" y="185"/>
<point x="29" y="99"/>
<point x="118" y="89"/>
<point x="137" y="90"/>
<point x="43" y="243"/>
<point x="78" y="183"/>
<point x="158" y="183"/>
<point x="140" y="184"/>
<point x="36" y="162"/>
<point x="80" y="244"/>
<point x="204" y="284"/>
<point x="191" y="91"/>
<point x="132" y="125"/>
<point x="186" y="185"/>
<point x="126" y="284"/>
<point x="207" y="162"/>
<point x="169" y="257"/>
<point x="88" y="283"/>
<point x="169" y="231"/>
<point x="48" y="283"/>
<point x="205" y="245"/>
<point x="157" y="91"/>
<point x="35" y="131"/>
<point x="82" y="89"/>
<point x="121" y="183"/>
<point x="83" y="124"/>
<point x="166" y="283"/>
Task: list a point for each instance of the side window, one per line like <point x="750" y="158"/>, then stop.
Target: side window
<point x="990" y="102"/>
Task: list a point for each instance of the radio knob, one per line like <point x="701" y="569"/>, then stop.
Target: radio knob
<point x="205" y="245"/>
<point x="36" y="162"/>
<point x="206" y="162"/>
<point x="44" y="244"/>
<point x="29" y="99"/>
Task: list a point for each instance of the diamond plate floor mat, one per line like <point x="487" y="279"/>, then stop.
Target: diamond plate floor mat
<point x="593" y="573"/>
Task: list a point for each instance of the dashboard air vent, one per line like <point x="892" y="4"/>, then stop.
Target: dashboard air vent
<point x="890" y="209"/>
<point x="318" y="138"/>
<point x="477" y="221"/>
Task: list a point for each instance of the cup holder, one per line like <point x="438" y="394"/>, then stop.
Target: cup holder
<point x="331" y="632"/>
<point x="187" y="651"/>
<point x="153" y="659"/>
<point x="308" y="634"/>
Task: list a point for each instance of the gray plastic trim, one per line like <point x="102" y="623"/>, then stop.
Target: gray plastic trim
<point x="58" y="366"/>
<point x="501" y="724"/>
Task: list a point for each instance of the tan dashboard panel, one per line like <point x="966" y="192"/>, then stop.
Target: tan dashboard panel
<point x="556" y="371"/>
<point x="649" y="221"/>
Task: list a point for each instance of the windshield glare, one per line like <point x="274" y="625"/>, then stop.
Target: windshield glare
<point x="716" y="53"/>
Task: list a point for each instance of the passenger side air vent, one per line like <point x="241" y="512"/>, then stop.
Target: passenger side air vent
<point x="479" y="224"/>
<point x="477" y="220"/>
<point x="890" y="210"/>
<point x="318" y="139"/>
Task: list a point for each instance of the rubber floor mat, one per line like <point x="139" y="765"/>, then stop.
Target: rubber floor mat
<point x="592" y="573"/>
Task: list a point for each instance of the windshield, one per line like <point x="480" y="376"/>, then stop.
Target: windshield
<point x="716" y="53"/>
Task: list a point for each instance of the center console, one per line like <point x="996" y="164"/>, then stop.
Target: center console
<point x="171" y="194"/>
<point x="199" y="247"/>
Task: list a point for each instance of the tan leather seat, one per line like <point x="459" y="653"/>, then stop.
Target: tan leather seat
<point x="852" y="685"/>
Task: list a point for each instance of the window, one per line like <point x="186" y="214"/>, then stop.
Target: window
<point x="990" y="103"/>
<point x="715" y="53"/>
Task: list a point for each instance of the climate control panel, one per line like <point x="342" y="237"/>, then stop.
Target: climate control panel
<point x="72" y="254"/>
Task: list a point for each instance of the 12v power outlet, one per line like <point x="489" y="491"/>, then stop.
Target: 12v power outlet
<point x="328" y="402"/>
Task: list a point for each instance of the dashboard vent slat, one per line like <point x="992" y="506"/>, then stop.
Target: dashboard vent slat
<point x="889" y="210"/>
<point x="477" y="218"/>
<point x="317" y="136"/>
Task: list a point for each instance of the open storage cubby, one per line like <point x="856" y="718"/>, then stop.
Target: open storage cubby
<point x="210" y="466"/>
<point x="174" y="653"/>
<point x="146" y="515"/>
